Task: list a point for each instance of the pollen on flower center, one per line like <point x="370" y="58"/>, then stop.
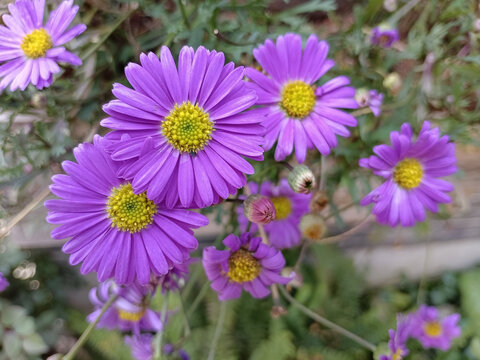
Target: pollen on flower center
<point x="298" y="99"/>
<point x="131" y="316"/>
<point x="398" y="355"/>
<point x="283" y="207"/>
<point x="408" y="173"/>
<point x="433" y="328"/>
<point x="242" y="266"/>
<point x="128" y="211"/>
<point x="36" y="44"/>
<point x="188" y="128"/>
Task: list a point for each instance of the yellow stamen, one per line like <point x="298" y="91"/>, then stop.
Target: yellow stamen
<point x="188" y="127"/>
<point x="128" y="211"/>
<point x="398" y="355"/>
<point x="242" y="266"/>
<point x="283" y="207"/>
<point x="408" y="173"/>
<point x="131" y="316"/>
<point x="298" y="99"/>
<point x="433" y="329"/>
<point x="36" y="44"/>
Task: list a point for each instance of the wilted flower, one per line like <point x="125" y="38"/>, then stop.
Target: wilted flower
<point x="313" y="227"/>
<point x="393" y="82"/>
<point x="29" y="49"/>
<point x="283" y="232"/>
<point x="412" y="169"/>
<point x="259" y="209"/>
<point x="249" y="264"/>
<point x="297" y="113"/>
<point x="384" y="37"/>
<point x="3" y="282"/>
<point x="370" y="98"/>
<point x="432" y="331"/>
<point x="301" y="179"/>
<point x="398" y="338"/>
<point x="319" y="201"/>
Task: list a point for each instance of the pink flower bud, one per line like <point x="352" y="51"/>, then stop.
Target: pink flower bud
<point x="259" y="209"/>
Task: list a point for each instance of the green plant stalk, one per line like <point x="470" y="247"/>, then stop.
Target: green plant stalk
<point x="159" y="336"/>
<point x="184" y="14"/>
<point x="218" y="330"/>
<point x="331" y="325"/>
<point x="73" y="351"/>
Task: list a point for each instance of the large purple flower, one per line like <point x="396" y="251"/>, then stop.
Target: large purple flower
<point x="284" y="231"/>
<point x="249" y="264"/>
<point x="29" y="49"/>
<point x="3" y="282"/>
<point x="434" y="332"/>
<point x="130" y="310"/>
<point x="398" y="338"/>
<point x="411" y="169"/>
<point x="298" y="113"/>
<point x="182" y="133"/>
<point x="114" y="231"/>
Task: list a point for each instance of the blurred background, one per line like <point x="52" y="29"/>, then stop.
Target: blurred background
<point x="361" y="281"/>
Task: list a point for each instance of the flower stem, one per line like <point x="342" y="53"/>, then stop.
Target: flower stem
<point x="218" y="330"/>
<point x="326" y="322"/>
<point x="184" y="14"/>
<point x="73" y="351"/>
<point x="159" y="336"/>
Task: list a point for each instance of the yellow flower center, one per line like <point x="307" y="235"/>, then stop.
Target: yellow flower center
<point x="36" y="44"/>
<point x="433" y="329"/>
<point x="128" y="211"/>
<point x="298" y="99"/>
<point x="398" y="355"/>
<point x="283" y="207"/>
<point x="408" y="173"/>
<point x="242" y="266"/>
<point x="131" y="316"/>
<point x="188" y="128"/>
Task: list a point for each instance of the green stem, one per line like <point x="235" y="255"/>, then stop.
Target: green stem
<point x="73" y="351"/>
<point x="159" y="336"/>
<point x="326" y="322"/>
<point x="198" y="299"/>
<point x="218" y="330"/>
<point x="402" y="12"/>
<point x="184" y="14"/>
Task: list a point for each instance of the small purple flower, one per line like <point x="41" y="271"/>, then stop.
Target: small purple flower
<point x="30" y="50"/>
<point x="130" y="310"/>
<point x="290" y="206"/>
<point x="113" y="230"/>
<point x="3" y="282"/>
<point x="411" y="169"/>
<point x="370" y="98"/>
<point x="434" y="332"/>
<point x="398" y="339"/>
<point x="384" y="37"/>
<point x="298" y="114"/>
<point x="141" y="346"/>
<point x="249" y="264"/>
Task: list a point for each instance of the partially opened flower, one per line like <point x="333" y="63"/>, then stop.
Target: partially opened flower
<point x="129" y="312"/>
<point x="284" y="230"/>
<point x="371" y="98"/>
<point x="30" y="49"/>
<point x="114" y="231"/>
<point x="249" y="264"/>
<point x="297" y="113"/>
<point x="183" y="132"/>
<point x="398" y="338"/>
<point x="384" y="36"/>
<point x="434" y="332"/>
<point x="3" y="282"/>
<point x="411" y="169"/>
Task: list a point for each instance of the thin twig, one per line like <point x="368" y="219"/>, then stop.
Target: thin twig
<point x="339" y="210"/>
<point x="73" y="351"/>
<point x="331" y="325"/>
<point x="218" y="330"/>
<point x="159" y="336"/>
<point x="187" y="324"/>
<point x="346" y="234"/>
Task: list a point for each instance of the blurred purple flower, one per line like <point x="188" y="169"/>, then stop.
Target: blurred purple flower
<point x="141" y="346"/>
<point x="398" y="338"/>
<point x="370" y="98"/>
<point x="384" y="37"/>
<point x="3" y="282"/>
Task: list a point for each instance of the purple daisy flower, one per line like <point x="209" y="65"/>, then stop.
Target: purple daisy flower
<point x="182" y="133"/>
<point x="130" y="310"/>
<point x="249" y="264"/>
<point x="412" y="169"/>
<point x="30" y="50"/>
<point x="114" y="231"/>
<point x="433" y="332"/>
<point x="384" y="37"/>
<point x="3" y="282"/>
<point x="297" y="113"/>
<point x="283" y="231"/>
<point x="141" y="346"/>
<point x="398" y="339"/>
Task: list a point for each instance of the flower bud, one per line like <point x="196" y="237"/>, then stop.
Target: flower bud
<point x="301" y="179"/>
<point x="393" y="82"/>
<point x="312" y="227"/>
<point x="362" y="97"/>
<point x="259" y="209"/>
<point x="319" y="201"/>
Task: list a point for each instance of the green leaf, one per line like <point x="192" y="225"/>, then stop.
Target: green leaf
<point x="34" y="345"/>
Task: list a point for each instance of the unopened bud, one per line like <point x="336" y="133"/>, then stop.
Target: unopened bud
<point x="319" y="201"/>
<point x="362" y="97"/>
<point x="393" y="82"/>
<point x="312" y="227"/>
<point x="301" y="179"/>
<point x="39" y="100"/>
<point x="259" y="209"/>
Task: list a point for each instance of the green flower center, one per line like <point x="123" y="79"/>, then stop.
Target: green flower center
<point x="188" y="127"/>
<point x="242" y="266"/>
<point x="433" y="329"/>
<point x="298" y="99"/>
<point x="408" y="173"/>
<point x="129" y="211"/>
<point x="36" y="44"/>
<point x="283" y="207"/>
